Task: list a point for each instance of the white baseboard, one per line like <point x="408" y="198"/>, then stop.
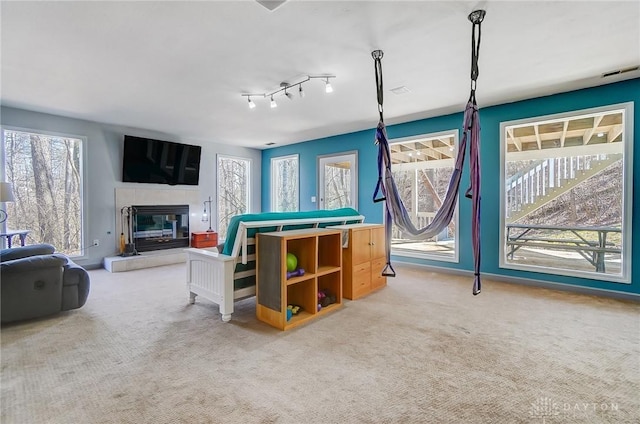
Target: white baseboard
<point x="530" y="282"/>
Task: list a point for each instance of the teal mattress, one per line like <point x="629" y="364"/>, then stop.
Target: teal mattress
<point x="269" y="216"/>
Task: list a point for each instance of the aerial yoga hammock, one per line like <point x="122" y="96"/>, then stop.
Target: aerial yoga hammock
<point x="395" y="211"/>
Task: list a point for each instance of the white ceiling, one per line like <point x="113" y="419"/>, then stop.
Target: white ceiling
<point x="180" y="67"/>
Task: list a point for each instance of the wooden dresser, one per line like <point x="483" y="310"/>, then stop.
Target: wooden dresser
<point x="363" y="259"/>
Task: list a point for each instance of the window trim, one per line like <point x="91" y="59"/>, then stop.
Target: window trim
<point x="84" y="147"/>
<point x="627" y="109"/>
<point x="273" y="185"/>
<point x="455" y="258"/>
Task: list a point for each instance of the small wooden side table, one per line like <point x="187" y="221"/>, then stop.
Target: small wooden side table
<point x="10" y="233"/>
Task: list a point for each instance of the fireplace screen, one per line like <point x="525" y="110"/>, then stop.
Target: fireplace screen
<point x="160" y="227"/>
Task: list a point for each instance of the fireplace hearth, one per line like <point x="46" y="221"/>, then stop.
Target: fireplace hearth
<point x="160" y="227"/>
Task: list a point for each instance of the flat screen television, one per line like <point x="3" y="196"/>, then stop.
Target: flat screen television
<point x="147" y="160"/>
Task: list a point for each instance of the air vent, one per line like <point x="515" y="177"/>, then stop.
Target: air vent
<point x="620" y="71"/>
<point x="271" y="4"/>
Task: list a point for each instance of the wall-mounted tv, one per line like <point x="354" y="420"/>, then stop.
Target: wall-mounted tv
<point x="147" y="160"/>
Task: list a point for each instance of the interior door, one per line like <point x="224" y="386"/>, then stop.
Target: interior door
<point x="338" y="181"/>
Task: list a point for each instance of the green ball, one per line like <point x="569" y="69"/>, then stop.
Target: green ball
<point x="292" y="262"/>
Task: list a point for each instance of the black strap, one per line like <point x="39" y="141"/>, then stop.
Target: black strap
<point x="379" y="185"/>
<point x="388" y="270"/>
<point x="476" y="18"/>
<point x="377" y="63"/>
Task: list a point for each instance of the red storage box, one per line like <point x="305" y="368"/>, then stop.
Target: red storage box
<point x="204" y="239"/>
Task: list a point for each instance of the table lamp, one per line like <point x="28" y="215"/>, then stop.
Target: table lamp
<point x="6" y="195"/>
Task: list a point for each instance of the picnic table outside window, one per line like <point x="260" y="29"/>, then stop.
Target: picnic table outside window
<point x="575" y="239"/>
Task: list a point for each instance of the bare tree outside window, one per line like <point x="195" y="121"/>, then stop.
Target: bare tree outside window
<point x="285" y="177"/>
<point x="45" y="171"/>
<point x="337" y="177"/>
<point x="233" y="190"/>
<point x="338" y="180"/>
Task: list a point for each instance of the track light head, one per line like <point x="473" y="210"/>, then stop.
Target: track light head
<point x="273" y="103"/>
<point x="328" y="88"/>
<point x="252" y="105"/>
<point x="300" y="92"/>
<point x="284" y="86"/>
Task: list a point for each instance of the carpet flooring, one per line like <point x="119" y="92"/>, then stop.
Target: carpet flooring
<point x="421" y="350"/>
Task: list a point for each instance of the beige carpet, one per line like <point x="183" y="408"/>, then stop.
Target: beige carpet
<point x="422" y="350"/>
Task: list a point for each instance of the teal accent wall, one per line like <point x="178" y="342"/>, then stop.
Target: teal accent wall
<point x="491" y="117"/>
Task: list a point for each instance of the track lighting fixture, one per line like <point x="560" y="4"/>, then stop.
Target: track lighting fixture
<point x="285" y="87"/>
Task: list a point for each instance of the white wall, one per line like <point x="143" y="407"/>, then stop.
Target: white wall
<point x="103" y="171"/>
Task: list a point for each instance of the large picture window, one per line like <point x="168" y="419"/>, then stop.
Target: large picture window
<point x="566" y="199"/>
<point x="285" y="181"/>
<point x="46" y="173"/>
<point x="422" y="167"/>
<point x="233" y="190"/>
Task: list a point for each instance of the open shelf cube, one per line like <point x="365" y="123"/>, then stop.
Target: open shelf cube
<point x="302" y="294"/>
<point x="305" y="251"/>
<point x="331" y="284"/>
<point x="328" y="257"/>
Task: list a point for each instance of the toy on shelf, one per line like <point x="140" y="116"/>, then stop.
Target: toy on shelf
<point x="292" y="310"/>
<point x="325" y="298"/>
<point x="297" y="273"/>
<point x="292" y="262"/>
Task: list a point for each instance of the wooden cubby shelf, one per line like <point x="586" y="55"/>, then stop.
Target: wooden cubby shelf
<point x="319" y="253"/>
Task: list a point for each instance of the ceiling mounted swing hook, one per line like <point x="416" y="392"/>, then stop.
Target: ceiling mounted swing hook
<point x="377" y="59"/>
<point x="477" y="16"/>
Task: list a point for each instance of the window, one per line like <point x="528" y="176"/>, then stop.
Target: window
<point x="233" y="190"/>
<point x="46" y="173"/>
<point x="285" y="195"/>
<point x="338" y="181"/>
<point x="422" y="167"/>
<point x="565" y="196"/>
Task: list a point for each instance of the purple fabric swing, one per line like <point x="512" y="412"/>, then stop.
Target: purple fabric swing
<point x="395" y="211"/>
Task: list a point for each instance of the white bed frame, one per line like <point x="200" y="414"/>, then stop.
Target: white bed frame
<point x="211" y="274"/>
